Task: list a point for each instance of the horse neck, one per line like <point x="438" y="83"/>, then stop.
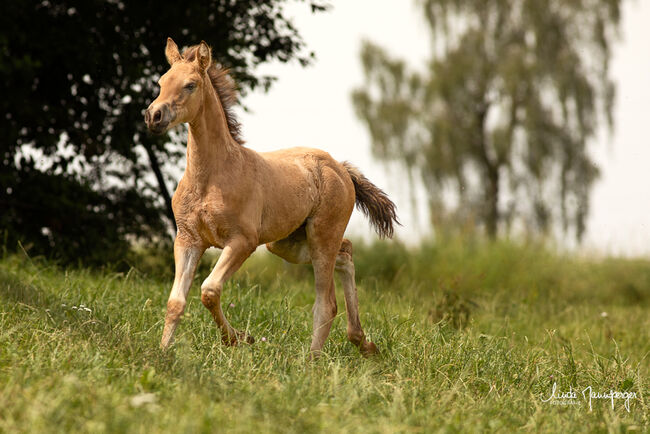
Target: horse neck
<point x="209" y="143"/>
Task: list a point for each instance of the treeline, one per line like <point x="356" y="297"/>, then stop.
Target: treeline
<point x="501" y="120"/>
<point x="80" y="179"/>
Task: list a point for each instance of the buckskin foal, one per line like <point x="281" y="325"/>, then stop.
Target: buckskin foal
<point x="296" y="201"/>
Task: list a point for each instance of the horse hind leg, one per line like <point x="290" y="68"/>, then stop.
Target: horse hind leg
<point x="294" y="249"/>
<point x="323" y="258"/>
<point x="345" y="270"/>
<point x="297" y="249"/>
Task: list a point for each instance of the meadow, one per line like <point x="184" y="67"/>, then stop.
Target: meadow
<point x="473" y="335"/>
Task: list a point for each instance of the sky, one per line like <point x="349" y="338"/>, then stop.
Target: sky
<point x="312" y="107"/>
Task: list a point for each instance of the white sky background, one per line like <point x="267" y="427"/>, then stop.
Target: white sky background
<point x="312" y="107"/>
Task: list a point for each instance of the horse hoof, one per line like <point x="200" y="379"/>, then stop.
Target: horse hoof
<point x="240" y="337"/>
<point x="313" y="356"/>
<point x="368" y="349"/>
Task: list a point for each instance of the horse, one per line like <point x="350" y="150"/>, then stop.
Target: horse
<point x="296" y="201"/>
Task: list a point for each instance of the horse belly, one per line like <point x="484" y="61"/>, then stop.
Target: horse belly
<point x="286" y="211"/>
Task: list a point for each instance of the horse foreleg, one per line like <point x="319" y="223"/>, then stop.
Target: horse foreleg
<point x="233" y="256"/>
<point x="185" y="259"/>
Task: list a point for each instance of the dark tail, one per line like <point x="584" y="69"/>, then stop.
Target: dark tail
<point x="373" y="202"/>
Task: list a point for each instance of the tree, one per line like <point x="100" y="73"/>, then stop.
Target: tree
<point x="503" y="117"/>
<point x="76" y="162"/>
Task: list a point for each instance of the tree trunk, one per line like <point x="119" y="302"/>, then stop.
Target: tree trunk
<point x="155" y="167"/>
<point x="491" y="169"/>
<point x="492" y="203"/>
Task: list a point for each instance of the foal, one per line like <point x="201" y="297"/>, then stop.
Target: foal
<point x="296" y="201"/>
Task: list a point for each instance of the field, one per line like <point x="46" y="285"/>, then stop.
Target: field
<point x="472" y="334"/>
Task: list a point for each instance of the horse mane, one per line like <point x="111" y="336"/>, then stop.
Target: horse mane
<point x="226" y="89"/>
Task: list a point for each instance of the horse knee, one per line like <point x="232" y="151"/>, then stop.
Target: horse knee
<point x="210" y="295"/>
<point x="175" y="309"/>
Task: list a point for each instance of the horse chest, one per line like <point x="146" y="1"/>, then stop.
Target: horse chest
<point x="202" y="218"/>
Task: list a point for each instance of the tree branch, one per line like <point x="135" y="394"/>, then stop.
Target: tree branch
<point x="155" y="167"/>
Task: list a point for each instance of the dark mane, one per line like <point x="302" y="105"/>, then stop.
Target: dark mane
<point x="226" y="92"/>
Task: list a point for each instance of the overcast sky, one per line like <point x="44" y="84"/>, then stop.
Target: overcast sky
<point x="312" y="107"/>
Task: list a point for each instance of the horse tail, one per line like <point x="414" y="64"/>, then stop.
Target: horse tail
<point x="373" y="203"/>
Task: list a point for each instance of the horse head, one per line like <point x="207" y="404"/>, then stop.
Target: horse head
<point x="181" y="89"/>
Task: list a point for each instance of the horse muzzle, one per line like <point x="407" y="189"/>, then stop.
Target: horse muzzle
<point x="158" y="117"/>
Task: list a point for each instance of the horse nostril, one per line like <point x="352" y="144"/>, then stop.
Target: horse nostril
<point x="157" y="116"/>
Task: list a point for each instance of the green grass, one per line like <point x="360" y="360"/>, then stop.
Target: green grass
<point x="472" y="337"/>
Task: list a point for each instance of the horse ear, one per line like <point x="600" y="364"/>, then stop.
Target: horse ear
<point x="203" y="56"/>
<point x="171" y="52"/>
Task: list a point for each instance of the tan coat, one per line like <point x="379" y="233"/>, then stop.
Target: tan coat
<point x="296" y="201"/>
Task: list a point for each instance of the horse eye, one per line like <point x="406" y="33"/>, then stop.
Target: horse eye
<point x="190" y="86"/>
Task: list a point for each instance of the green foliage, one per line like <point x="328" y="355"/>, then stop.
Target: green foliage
<point x="75" y="77"/>
<point x="79" y="349"/>
<point x="503" y="116"/>
<point x="70" y="220"/>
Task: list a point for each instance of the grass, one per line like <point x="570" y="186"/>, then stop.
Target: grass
<point x="472" y="337"/>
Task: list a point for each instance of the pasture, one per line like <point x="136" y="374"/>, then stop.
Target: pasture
<point x="472" y="336"/>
